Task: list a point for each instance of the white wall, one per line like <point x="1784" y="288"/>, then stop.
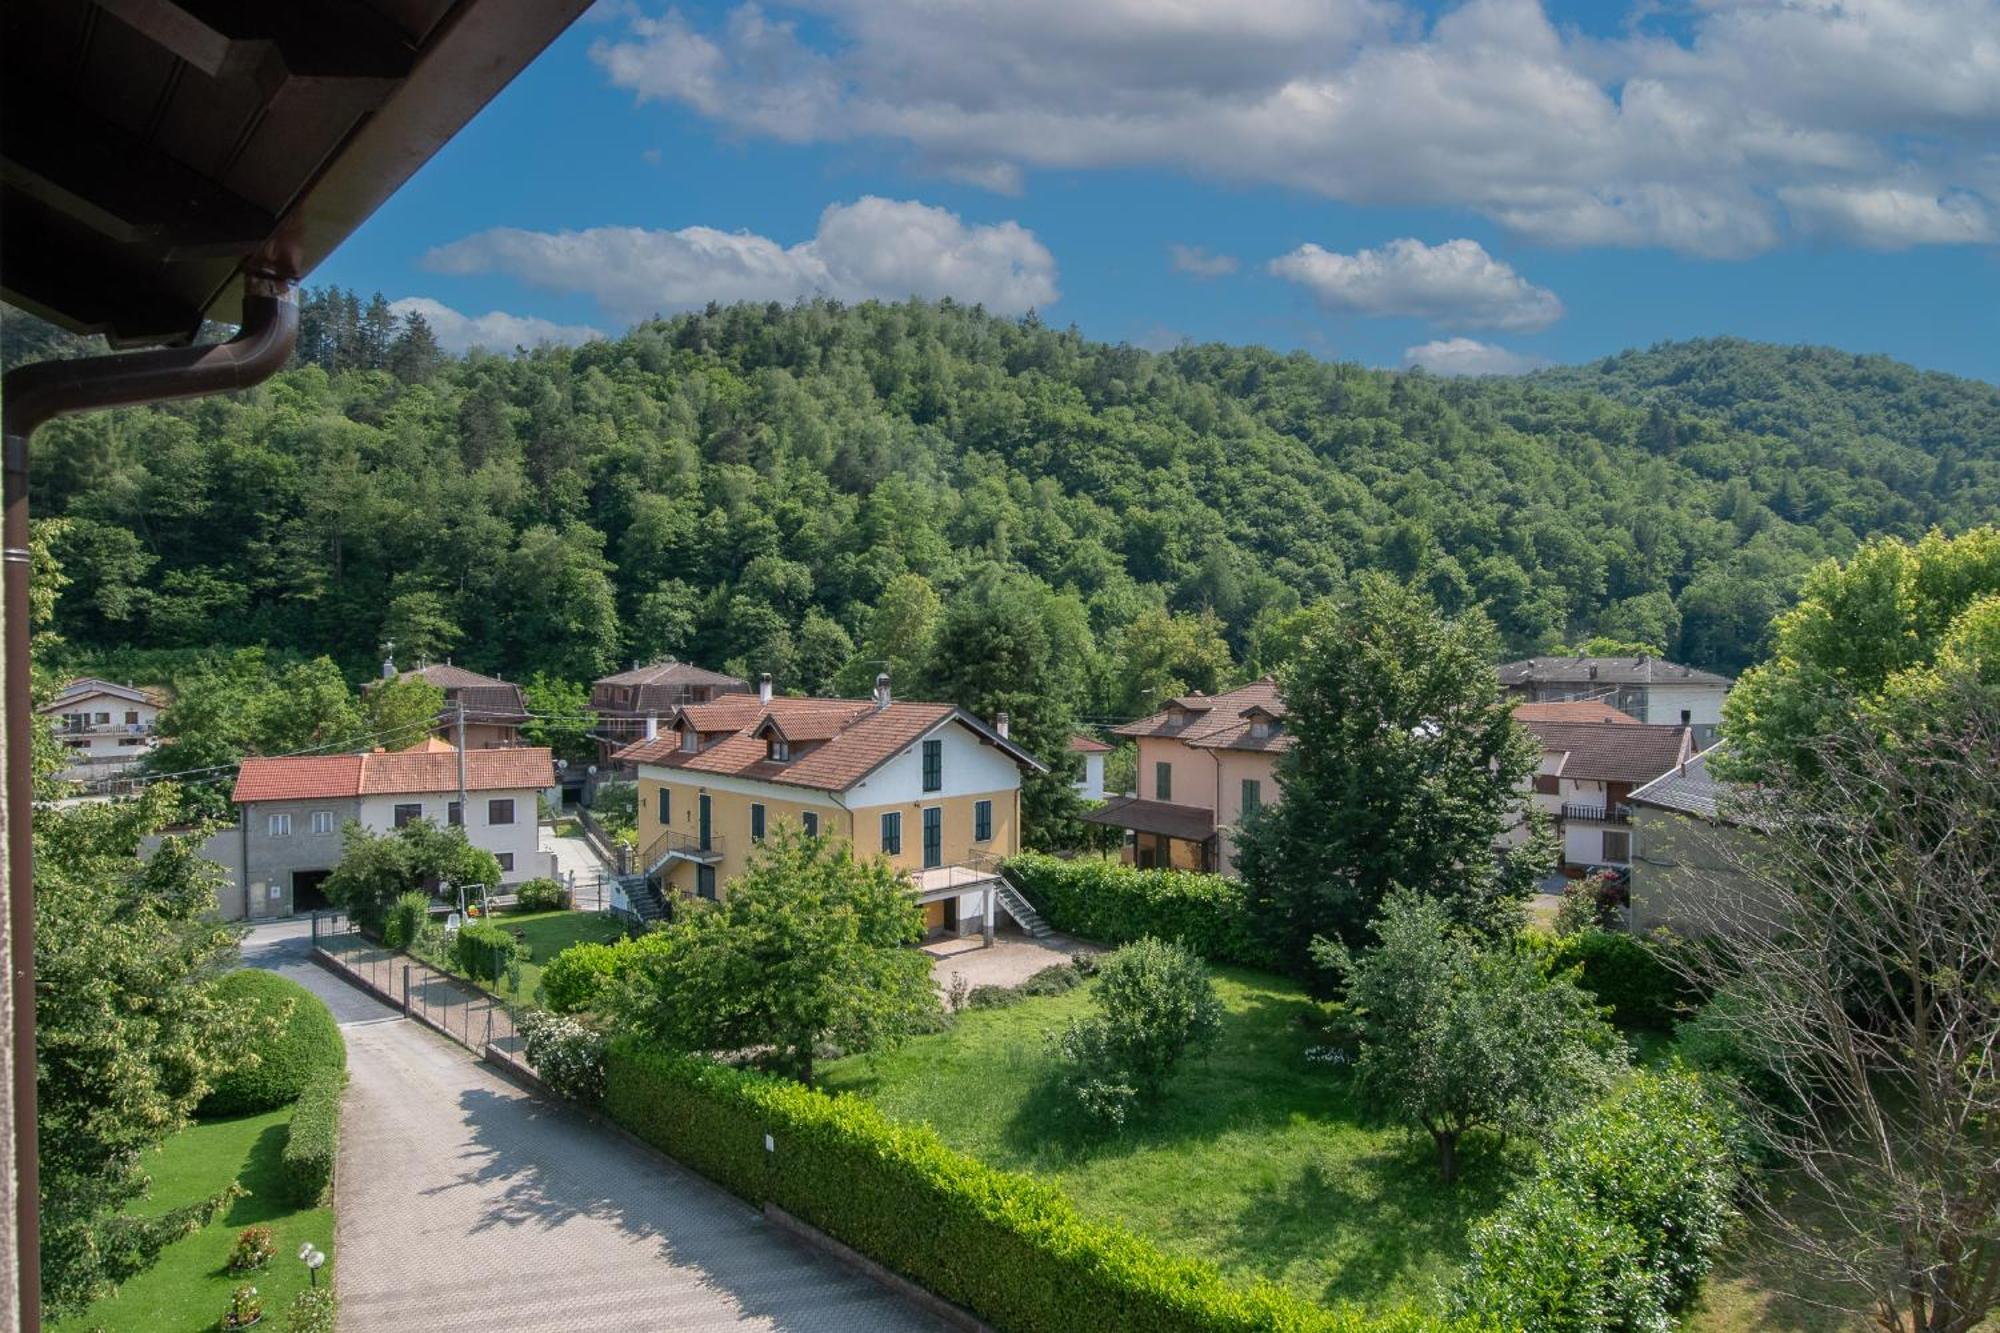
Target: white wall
<point x="1092" y="786"/>
<point x="1703" y="703"/>
<point x="522" y="838"/>
<point x="970" y="768"/>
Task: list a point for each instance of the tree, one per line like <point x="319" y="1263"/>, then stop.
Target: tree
<point x="819" y="650"/>
<point x="808" y="946"/>
<point x="1156" y="1005"/>
<point x="898" y="637"/>
<point x="129" y="1033"/>
<point x="561" y="617"/>
<point x="1856" y="960"/>
<point x="414" y="358"/>
<point x="1161" y="655"/>
<point x="1859" y="629"/>
<point x="403" y="710"/>
<point x="1405" y="766"/>
<point x="419" y="626"/>
<point x="1459" y="1035"/>
<point x="377" y="868"/>
<point x="565" y="720"/>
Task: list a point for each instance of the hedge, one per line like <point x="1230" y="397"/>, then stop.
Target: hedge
<point x="312" y="1141"/>
<point x="1622" y="972"/>
<point x="482" y="950"/>
<point x="299" y="1042"/>
<point x="1008" y="1247"/>
<point x="1116" y="904"/>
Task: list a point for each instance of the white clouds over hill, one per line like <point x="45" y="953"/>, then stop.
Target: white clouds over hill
<point x="496" y="330"/>
<point x="871" y="248"/>
<point x="1454" y="283"/>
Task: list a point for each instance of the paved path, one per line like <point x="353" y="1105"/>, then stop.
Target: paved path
<point x="466" y="1204"/>
<point x="1010" y="960"/>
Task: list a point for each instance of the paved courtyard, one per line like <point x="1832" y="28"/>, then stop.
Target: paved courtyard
<point x="1011" y="960"/>
<point x="464" y="1203"/>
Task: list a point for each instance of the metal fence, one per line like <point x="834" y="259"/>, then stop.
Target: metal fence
<point x="461" y="1010"/>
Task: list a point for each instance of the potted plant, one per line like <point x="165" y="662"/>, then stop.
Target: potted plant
<point x="254" y="1249"/>
<point x="245" y="1309"/>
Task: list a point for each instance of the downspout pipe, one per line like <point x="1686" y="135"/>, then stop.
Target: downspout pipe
<point x="35" y="394"/>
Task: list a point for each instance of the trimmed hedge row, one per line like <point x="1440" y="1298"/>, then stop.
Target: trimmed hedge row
<point x="313" y="1140"/>
<point x="1622" y="971"/>
<point x="300" y="1041"/>
<point x="1116" y="904"/>
<point x="1010" y="1248"/>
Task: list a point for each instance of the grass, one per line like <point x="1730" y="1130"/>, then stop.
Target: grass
<point x="187" y="1290"/>
<point x="1258" y="1160"/>
<point x="548" y="934"/>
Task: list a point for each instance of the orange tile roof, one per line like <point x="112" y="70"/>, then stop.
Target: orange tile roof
<point x="1088" y="745"/>
<point x="405" y="772"/>
<point x="1613" y="752"/>
<point x="841" y="740"/>
<point x="1573" y="710"/>
<point x="1216" y="721"/>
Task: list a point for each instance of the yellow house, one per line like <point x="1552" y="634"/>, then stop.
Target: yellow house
<point x="928" y="785"/>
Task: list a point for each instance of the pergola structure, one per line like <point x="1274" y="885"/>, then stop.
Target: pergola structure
<point x="165" y="163"/>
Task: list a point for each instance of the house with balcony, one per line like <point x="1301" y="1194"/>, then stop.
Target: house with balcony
<point x="927" y="785"/>
<point x="1205" y="763"/>
<point x="631" y="704"/>
<point x="1593" y="758"/>
<point x="105" y="728"/>
<point x="291" y="810"/>
<point x="1650" y="689"/>
<point x="494" y="708"/>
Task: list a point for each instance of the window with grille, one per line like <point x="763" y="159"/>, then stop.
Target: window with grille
<point x="892" y="833"/>
<point x="406" y="813"/>
<point x="982" y="821"/>
<point x="500" y="811"/>
<point x="933" y="765"/>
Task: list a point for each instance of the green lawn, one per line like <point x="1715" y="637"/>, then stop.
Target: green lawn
<point x="1259" y="1161"/>
<point x="548" y="934"/>
<point x="187" y="1291"/>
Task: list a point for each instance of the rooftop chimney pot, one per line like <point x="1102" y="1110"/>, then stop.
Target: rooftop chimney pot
<point x="764" y="688"/>
<point x="1000" y="724"/>
<point x="882" y="690"/>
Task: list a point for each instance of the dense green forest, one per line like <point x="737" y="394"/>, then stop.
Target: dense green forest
<point x="741" y="486"/>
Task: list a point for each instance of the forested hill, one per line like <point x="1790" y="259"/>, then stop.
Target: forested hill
<point x="741" y="486"/>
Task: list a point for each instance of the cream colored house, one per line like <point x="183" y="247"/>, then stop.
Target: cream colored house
<point x="927" y="785"/>
<point x="1206" y="762"/>
<point x="105" y="728"/>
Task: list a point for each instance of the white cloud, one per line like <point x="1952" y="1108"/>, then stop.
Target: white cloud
<point x="496" y="330"/>
<point x="1453" y="283"/>
<point x="1888" y="219"/>
<point x="1468" y="356"/>
<point x="1199" y="262"/>
<point x="870" y="249"/>
<point x="1683" y="141"/>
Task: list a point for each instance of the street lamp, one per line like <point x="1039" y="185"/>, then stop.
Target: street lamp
<point x="313" y="1258"/>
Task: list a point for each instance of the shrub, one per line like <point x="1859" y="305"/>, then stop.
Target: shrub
<point x="575" y="980"/>
<point x="568" y="1055"/>
<point x="1010" y="1248"/>
<point x="312" y="1141"/>
<point x="406" y="919"/>
<point x="993" y="997"/>
<point x="254" y="1248"/>
<point x="1116" y="904"/>
<point x="311" y="1311"/>
<point x="541" y="895"/>
<point x="483" y="951"/>
<point x="1157" y="1004"/>
<point x="1094" y="1074"/>
<point x="246" y="1307"/>
<point x="296" y="1041"/>
<point x="1623" y="972"/>
<point x="1056" y="979"/>
<point x="1619" y="1223"/>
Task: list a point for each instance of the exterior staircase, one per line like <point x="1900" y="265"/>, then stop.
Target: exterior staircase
<point x="646" y="899"/>
<point x="1016" y="905"/>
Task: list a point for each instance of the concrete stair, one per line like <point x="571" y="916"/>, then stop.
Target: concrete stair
<point x="1016" y="905"/>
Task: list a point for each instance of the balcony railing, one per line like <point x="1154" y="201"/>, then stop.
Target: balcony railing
<point x="1598" y="814"/>
<point x="686" y="846"/>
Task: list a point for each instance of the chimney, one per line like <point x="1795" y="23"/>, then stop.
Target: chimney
<point x="389" y="662"/>
<point x="652" y="725"/>
<point x="1000" y="723"/>
<point x="764" y="688"/>
<point x="1593" y="671"/>
<point x="882" y="690"/>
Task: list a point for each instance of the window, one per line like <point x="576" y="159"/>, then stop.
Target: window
<point x="454" y="813"/>
<point x="500" y="811"/>
<point x="406" y="813"/>
<point x="811" y="822"/>
<point x="1253" y="797"/>
<point x="778" y="750"/>
<point x="1618" y="847"/>
<point x="1163" y="781"/>
<point x="506" y="860"/>
<point x="278" y="826"/>
<point x="933" y="837"/>
<point x="892" y="833"/>
<point x="982" y="821"/>
<point x="1547" y="784"/>
<point x="690" y="742"/>
<point x="704" y="882"/>
<point x="756" y="822"/>
<point x="322" y="821"/>
<point x="104" y="719"/>
<point x="933" y="765"/>
<point x="666" y="806"/>
<point x="1687" y="716"/>
<point x="132" y="716"/>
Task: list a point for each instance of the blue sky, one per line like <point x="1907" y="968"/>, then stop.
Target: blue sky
<point x="1487" y="185"/>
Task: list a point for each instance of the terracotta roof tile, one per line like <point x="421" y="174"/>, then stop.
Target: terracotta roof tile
<point x="671" y="673"/>
<point x="1216" y="721"/>
<point x="1614" y="752"/>
<point x="306" y="777"/>
<point x="1088" y="745"/>
<point x="1572" y="710"/>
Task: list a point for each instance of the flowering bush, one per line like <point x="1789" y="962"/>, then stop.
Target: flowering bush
<point x="254" y="1248"/>
<point x="541" y="895"/>
<point x="567" y="1053"/>
<point x="311" y="1311"/>
<point x="246" y="1307"/>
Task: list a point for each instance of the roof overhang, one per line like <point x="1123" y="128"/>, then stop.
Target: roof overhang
<point x="156" y="151"/>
